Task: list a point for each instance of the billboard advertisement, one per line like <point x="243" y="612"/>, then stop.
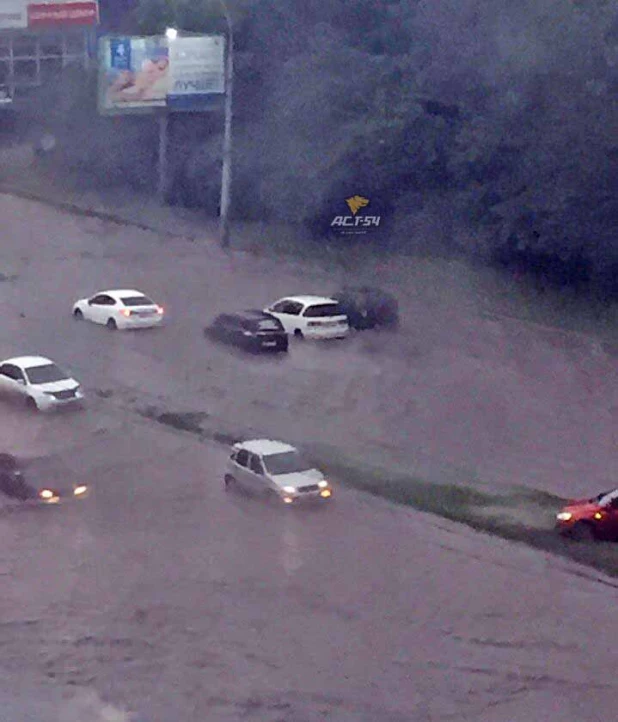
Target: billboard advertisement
<point x="134" y="74"/>
<point x="196" y="70"/>
<point x="22" y="15"/>
<point x="143" y="74"/>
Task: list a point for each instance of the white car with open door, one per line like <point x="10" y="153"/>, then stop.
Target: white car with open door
<point x="39" y="383"/>
<point x="310" y="316"/>
<point x="276" y="470"/>
<point x="120" y="308"/>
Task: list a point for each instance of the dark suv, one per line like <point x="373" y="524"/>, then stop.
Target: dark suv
<point x="368" y="307"/>
<point x="251" y="330"/>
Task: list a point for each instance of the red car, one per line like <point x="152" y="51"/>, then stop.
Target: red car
<point x="591" y="519"/>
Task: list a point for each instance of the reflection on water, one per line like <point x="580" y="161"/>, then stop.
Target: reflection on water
<point x="290" y="549"/>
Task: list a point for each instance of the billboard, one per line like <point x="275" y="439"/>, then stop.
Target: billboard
<point x="143" y="74"/>
<point x="21" y="14"/>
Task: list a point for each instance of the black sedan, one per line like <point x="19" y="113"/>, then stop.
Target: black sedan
<point x="37" y="480"/>
<point x="250" y="330"/>
<point x="368" y="307"/>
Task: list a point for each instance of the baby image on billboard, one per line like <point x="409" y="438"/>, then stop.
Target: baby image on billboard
<point x="136" y="72"/>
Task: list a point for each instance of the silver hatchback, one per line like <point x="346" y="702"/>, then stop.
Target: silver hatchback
<point x="276" y="470"/>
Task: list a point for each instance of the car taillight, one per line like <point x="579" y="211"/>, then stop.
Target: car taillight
<point x="160" y="310"/>
<point x="126" y="312"/>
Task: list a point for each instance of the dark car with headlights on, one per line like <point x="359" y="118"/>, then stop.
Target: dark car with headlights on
<point x="368" y="307"/>
<point x="250" y="330"/>
<point x="28" y="480"/>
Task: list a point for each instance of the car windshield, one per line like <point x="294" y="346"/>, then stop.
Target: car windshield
<point x="287" y="462"/>
<point x="323" y="310"/>
<point x="606" y="497"/>
<point x="137" y="301"/>
<point x="45" y="374"/>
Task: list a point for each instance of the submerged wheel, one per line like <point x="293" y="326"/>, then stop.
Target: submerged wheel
<point x="78" y="314"/>
<point x="111" y="324"/>
<point x="298" y="334"/>
<point x="31" y="404"/>
<point x="228" y="481"/>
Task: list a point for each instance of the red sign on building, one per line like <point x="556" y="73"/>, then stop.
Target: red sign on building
<point x="44" y="15"/>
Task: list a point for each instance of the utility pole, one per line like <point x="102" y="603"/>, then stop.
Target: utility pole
<point x="226" y="170"/>
<point x="162" y="169"/>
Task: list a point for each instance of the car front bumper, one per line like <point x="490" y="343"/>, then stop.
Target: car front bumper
<point x="312" y="497"/>
<point x="51" y="403"/>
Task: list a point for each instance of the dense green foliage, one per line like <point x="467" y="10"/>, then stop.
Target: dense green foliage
<point x="501" y="115"/>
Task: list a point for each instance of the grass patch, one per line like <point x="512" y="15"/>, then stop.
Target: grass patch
<point x="465" y="505"/>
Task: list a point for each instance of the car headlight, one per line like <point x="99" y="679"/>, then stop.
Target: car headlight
<point x="564" y="516"/>
<point x="46" y="494"/>
<point x="79" y="490"/>
<point x="323" y="484"/>
<point x="289" y="489"/>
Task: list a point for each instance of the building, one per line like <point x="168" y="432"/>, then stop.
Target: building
<point x="37" y="40"/>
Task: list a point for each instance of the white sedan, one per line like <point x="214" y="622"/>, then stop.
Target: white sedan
<point x="121" y="308"/>
<point x="39" y="382"/>
<point x="310" y="316"/>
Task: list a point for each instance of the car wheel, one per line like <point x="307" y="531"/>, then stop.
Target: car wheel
<point x="77" y="314"/>
<point x="229" y="481"/>
<point x="111" y="324"/>
<point x="299" y="334"/>
<point x="31" y="404"/>
<point x="583" y="532"/>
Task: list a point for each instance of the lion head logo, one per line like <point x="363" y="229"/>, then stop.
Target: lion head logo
<point x="355" y="203"/>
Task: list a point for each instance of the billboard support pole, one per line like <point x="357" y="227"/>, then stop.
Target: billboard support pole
<point x="162" y="162"/>
<point x="226" y="170"/>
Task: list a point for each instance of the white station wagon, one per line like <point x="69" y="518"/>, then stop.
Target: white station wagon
<point x="121" y="308"/>
<point x="38" y="382"/>
<point x="310" y="316"/>
<point x="276" y="470"/>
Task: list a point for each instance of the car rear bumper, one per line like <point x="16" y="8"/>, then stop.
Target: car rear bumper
<point x="140" y="322"/>
<point x="270" y="343"/>
<point x="327" y="332"/>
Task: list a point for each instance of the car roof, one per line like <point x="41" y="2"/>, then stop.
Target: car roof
<point x="28" y="361"/>
<point x="308" y="300"/>
<point x="118" y="292"/>
<point x="264" y="447"/>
